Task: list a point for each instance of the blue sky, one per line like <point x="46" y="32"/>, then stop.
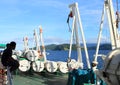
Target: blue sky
<point x="18" y="18"/>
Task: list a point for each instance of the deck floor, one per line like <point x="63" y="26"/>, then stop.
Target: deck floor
<point x="40" y="79"/>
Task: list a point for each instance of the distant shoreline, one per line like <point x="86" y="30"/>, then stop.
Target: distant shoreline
<point x="91" y="46"/>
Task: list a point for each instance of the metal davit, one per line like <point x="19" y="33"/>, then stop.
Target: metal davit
<point x="110" y="73"/>
<point x="77" y="74"/>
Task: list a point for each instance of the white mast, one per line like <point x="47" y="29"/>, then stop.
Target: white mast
<point x="43" y="47"/>
<point x="25" y="39"/>
<point x="112" y="23"/>
<point x="36" y="40"/>
<point x="71" y="39"/>
<point x="109" y="72"/>
<point x="76" y="14"/>
<point x="99" y="36"/>
<point x="114" y="36"/>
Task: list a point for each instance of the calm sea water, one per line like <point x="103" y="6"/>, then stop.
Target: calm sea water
<point x="63" y="56"/>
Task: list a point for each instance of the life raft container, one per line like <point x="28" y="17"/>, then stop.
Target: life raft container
<point x="51" y="66"/>
<point x="62" y="66"/>
<point x="38" y="66"/>
<point x="31" y="55"/>
<point x="24" y="65"/>
<point x="111" y="69"/>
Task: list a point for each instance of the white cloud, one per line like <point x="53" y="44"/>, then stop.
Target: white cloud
<point x="55" y="40"/>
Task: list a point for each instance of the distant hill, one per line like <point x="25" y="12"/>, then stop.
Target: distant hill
<point x="92" y="46"/>
<point x="58" y="47"/>
<point x="105" y="46"/>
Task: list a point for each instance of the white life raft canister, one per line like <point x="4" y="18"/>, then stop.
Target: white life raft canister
<point x="31" y="55"/>
<point x="38" y="66"/>
<point x="62" y="66"/>
<point x="24" y="65"/>
<point x="112" y="67"/>
<point x="51" y="66"/>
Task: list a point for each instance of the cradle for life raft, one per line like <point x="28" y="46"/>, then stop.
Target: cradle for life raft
<point x="110" y="73"/>
<point x="36" y="59"/>
<point x="77" y="74"/>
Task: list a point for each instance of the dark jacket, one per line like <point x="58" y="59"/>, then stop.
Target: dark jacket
<point x="6" y="56"/>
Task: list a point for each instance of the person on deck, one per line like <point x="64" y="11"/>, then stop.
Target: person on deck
<point x="7" y="59"/>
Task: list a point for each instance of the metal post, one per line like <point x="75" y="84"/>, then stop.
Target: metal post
<point x="71" y="39"/>
<point x="25" y="39"/>
<point x="43" y="47"/>
<point x="9" y="76"/>
<point x="73" y="7"/>
<point x="75" y="12"/>
<point x="99" y="36"/>
<point x="111" y="21"/>
<point x="36" y="40"/>
<point x="83" y="38"/>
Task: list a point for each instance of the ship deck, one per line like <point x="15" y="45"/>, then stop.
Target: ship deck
<point x="40" y="79"/>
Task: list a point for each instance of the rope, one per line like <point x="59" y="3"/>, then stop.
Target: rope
<point x="70" y="30"/>
<point x="69" y="25"/>
<point x="70" y="15"/>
